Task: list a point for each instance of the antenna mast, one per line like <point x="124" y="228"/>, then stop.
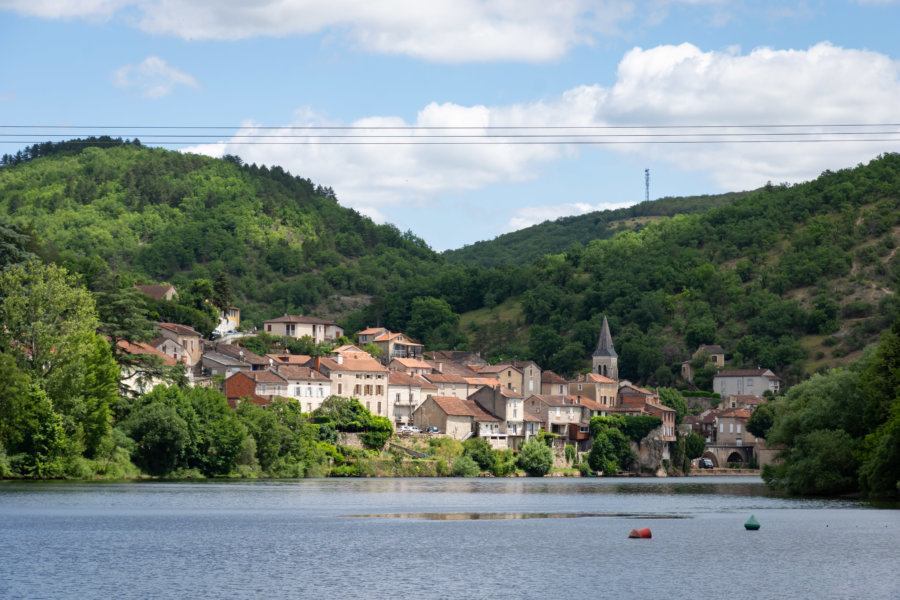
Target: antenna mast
<point x="646" y="185"/>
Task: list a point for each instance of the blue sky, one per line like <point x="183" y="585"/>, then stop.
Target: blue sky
<point x="81" y="67"/>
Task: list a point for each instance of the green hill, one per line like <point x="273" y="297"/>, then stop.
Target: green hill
<point x="794" y="278"/>
<point x="553" y="237"/>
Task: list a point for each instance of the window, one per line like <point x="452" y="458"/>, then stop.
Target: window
<point x="378" y="390"/>
<point x="368" y="390"/>
<point x="515" y="410"/>
<point x="269" y="328"/>
<point x="309" y="407"/>
<point x="262" y="388"/>
<point x="579" y="387"/>
<point x="738" y="427"/>
<point x="297" y="390"/>
<point x="309" y="391"/>
<point x="339" y="389"/>
<point x="731" y="428"/>
<point x="356" y="389"/>
<point x="557" y="411"/>
<point x="321" y="391"/>
<point x="379" y="408"/>
<point x="368" y="406"/>
<point x="530" y="385"/>
<point x="721" y="427"/>
<point x="397" y="400"/>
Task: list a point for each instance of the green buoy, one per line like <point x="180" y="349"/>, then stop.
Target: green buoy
<point x="752" y="524"/>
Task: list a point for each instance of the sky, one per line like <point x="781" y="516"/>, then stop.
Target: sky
<point x="460" y="120"/>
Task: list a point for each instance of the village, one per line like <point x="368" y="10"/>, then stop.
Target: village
<point x="457" y="393"/>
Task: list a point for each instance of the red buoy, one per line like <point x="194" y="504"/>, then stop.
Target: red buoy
<point x="641" y="533"/>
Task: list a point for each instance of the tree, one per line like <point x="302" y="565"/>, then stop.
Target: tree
<point x="31" y="429"/>
<point x="14" y="246"/>
<point x="432" y="321"/>
<point x="48" y="323"/>
<point x="673" y="399"/>
<point x="464" y="466"/>
<point x="761" y="420"/>
<point x="535" y="458"/>
<point x="221" y="298"/>
<point x="694" y="445"/>
<point x="161" y="436"/>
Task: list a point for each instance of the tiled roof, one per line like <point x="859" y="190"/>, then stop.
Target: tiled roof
<point x="482" y="381"/>
<point x="712" y="349"/>
<point x="551" y="377"/>
<point x="179" y="329"/>
<point x="240" y="353"/>
<point x="530" y="417"/>
<point x="295" y="373"/>
<point x="735" y="413"/>
<point x="157" y="292"/>
<point x="442" y="378"/>
<point x="371" y="330"/>
<point x="354" y="364"/>
<point x="589" y="404"/>
<point x="400" y="378"/>
<point x="747" y="373"/>
<point x="426" y="385"/>
<point x="597" y="378"/>
<point x="288" y="359"/>
<point x="142" y="348"/>
<point x="412" y="363"/>
<point x="300" y="319"/>
<point x="265" y="376"/>
<point x="510" y="393"/>
<point x="550" y="400"/>
<point x="224" y="359"/>
<point x="462" y="408"/>
<point x="449" y="367"/>
<point x="499" y="367"/>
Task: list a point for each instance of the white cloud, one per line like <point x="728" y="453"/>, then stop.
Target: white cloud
<point x="438" y="30"/>
<point x="666" y="85"/>
<point x="532" y="215"/>
<point x="153" y="77"/>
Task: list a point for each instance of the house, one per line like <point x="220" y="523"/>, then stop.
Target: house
<point x="366" y="336"/>
<point x="258" y="387"/>
<point x="477" y="383"/>
<point x="365" y="379"/>
<point x="223" y="365"/>
<point x="305" y="385"/>
<point x="748" y="401"/>
<point x="557" y="414"/>
<point x="714" y="355"/>
<point x="256" y="362"/>
<point x="410" y="366"/>
<point x="397" y="345"/>
<point x="448" y="367"/>
<point x="405" y="391"/>
<point x="448" y="385"/>
<point x="159" y="292"/>
<point x="553" y="384"/>
<point x="635" y="400"/>
<point x="189" y="340"/>
<point x="287" y="359"/>
<point x="460" y="419"/>
<point x="298" y="326"/>
<point x="598" y="388"/>
<point x="731" y="428"/>
<point x="745" y="381"/>
<point x="135" y="379"/>
<point x="704" y="424"/>
<point x="509" y="375"/>
<point x="508" y="406"/>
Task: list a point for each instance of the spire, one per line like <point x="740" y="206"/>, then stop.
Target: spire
<point x="605" y="343"/>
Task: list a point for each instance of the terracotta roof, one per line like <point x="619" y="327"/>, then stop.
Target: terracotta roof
<point x="735" y="413"/>
<point x="712" y="349"/>
<point x="448" y="367"/>
<point x="412" y="363"/>
<point x="264" y="376"/>
<point x="142" y="348"/>
<point x="400" y="378"/>
<point x="589" y="404"/>
<point x="294" y="373"/>
<point x="390" y="336"/>
<point x="482" y="381"/>
<point x="551" y="377"/>
<point x="510" y="393"/>
<point x="288" y="359"/>
<point x="179" y="329"/>
<point x="498" y="368"/>
<point x="441" y="378"/>
<point x="371" y="330"/>
<point x="157" y="292"/>
<point x="426" y="385"/>
<point x="659" y="406"/>
<point x="550" y="400"/>
<point x="597" y="378"/>
<point x="462" y="408"/>
<point x="300" y="319"/>
<point x="530" y="417"/>
<point x="354" y="364"/>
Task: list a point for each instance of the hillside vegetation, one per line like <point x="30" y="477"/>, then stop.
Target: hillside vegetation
<point x="794" y="278"/>
<point x="553" y="237"/>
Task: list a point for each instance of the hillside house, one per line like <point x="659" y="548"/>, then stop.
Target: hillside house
<point x="410" y="366"/>
<point x="553" y="384"/>
<point x="598" y="388"/>
<point x="448" y="385"/>
<point x="365" y="379"/>
<point x="714" y="354"/>
<point x="133" y="378"/>
<point x="258" y="387"/>
<point x="190" y="341"/>
<point x="298" y="326"/>
<point x="305" y="385"/>
<point x="509" y="407"/>
<point x="731" y="428"/>
<point x="745" y="381"/>
<point x="405" y="392"/>
<point x="397" y="345"/>
<point x="159" y="292"/>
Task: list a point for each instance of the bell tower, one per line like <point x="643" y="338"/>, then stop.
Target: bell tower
<point x="605" y="358"/>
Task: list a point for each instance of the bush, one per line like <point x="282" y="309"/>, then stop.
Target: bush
<point x="571" y="454"/>
<point x="536" y="457"/>
<point x="464" y="466"/>
<point x="479" y="450"/>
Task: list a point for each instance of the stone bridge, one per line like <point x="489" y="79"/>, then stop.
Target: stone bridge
<point x="723" y="455"/>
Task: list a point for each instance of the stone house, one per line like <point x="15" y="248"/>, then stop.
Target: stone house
<point x="159" y="292"/>
<point x="229" y="319"/>
<point x="366" y="336"/>
<point x="188" y="338"/>
<point x="405" y="392"/>
<point x="133" y="379"/>
<point x="477" y="383"/>
<point x="714" y="354"/>
<point x="731" y="428"/>
<point x="256" y="362"/>
<point x="553" y="384"/>
<point x="745" y="381"/>
<point x="507" y="374"/>
<point x="365" y="379"/>
<point x="448" y="385"/>
<point x="559" y="415"/>
<point x="460" y="419"/>
<point x="259" y="387"/>
<point x="222" y="365"/>
<point x="508" y="406"/>
<point x="410" y="366"/>
<point x="397" y="345"/>
<point x="598" y="388"/>
<point x="298" y="326"/>
<point x="305" y="385"/>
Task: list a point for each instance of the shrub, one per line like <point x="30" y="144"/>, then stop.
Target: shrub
<point x="479" y="450"/>
<point x="536" y="457"/>
<point x="571" y="454"/>
<point x="464" y="466"/>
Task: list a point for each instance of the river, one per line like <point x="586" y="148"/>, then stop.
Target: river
<point x="440" y="538"/>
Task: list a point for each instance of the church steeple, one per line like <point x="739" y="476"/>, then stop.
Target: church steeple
<point x="605" y="358"/>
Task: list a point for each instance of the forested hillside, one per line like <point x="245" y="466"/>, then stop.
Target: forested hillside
<point x="793" y="278"/>
<point x="553" y="237"/>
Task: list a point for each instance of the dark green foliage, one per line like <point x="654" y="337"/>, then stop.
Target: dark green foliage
<point x="761" y="420"/>
<point x="161" y="436"/>
<point x="673" y="399"/>
<point x="694" y="445"/>
<point x="479" y="450"/>
<point x="464" y="466"/>
<point x="571" y="453"/>
<point x="637" y="427"/>
<point x="350" y="415"/>
<point x="535" y="457"/>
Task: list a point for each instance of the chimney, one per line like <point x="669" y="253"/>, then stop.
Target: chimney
<point x="317" y="364"/>
<point x="440" y="367"/>
<point x="340" y="359"/>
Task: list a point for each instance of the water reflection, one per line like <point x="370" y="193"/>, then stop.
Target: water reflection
<point x="476" y="516"/>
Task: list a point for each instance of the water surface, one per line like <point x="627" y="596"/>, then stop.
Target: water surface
<point x="440" y="538"/>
